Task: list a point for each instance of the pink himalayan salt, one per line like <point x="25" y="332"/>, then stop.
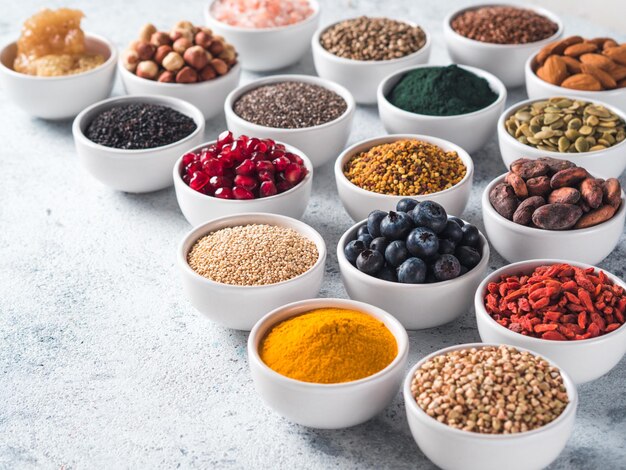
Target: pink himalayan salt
<point x="260" y="14"/>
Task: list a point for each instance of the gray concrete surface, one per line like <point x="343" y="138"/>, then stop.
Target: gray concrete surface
<point x="104" y="363"/>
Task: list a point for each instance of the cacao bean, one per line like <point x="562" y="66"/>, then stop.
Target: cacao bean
<point x="564" y="196"/>
<point x="591" y="192"/>
<point x="583" y="205"/>
<point x="503" y="200"/>
<point x="595" y="217"/>
<point x="557" y="216"/>
<point x="518" y="185"/>
<point x="612" y="192"/>
<point x="524" y="212"/>
<point x="517" y="164"/>
<point x="556" y="164"/>
<point x="568" y="177"/>
<point x="532" y="169"/>
<point x="539" y="186"/>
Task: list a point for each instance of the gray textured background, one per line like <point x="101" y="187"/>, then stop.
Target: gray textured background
<point x="104" y="362"/>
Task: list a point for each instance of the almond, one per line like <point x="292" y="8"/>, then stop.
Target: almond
<point x="617" y="54"/>
<point x="573" y="65"/>
<point x="609" y="43"/>
<point x="598" y="60"/>
<point x="598" y="41"/>
<point x="580" y="49"/>
<point x="556" y="48"/>
<point x="605" y="79"/>
<point x="553" y="70"/>
<point x="582" y="81"/>
<point x="618" y="72"/>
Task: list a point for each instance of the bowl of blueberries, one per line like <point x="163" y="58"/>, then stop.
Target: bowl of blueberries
<point x="416" y="262"/>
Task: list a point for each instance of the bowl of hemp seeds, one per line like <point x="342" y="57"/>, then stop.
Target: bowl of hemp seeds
<point x="310" y="113"/>
<point x="235" y="269"/>
<point x="499" y="38"/>
<point x="591" y="134"/>
<point x="359" y="52"/>
<point x="375" y="174"/>
<point x="455" y="102"/>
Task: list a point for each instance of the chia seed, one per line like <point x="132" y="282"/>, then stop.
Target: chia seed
<point x="290" y="105"/>
<point x="139" y="126"/>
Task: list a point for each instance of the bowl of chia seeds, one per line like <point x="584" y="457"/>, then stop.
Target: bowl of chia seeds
<point x="310" y="113"/>
<point x="130" y="143"/>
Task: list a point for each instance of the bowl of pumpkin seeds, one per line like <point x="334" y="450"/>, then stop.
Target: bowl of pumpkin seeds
<point x="591" y="134"/>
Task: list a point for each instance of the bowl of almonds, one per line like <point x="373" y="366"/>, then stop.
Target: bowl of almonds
<point x="590" y="134"/>
<point x="593" y="69"/>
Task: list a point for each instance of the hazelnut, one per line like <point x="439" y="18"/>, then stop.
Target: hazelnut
<point x="228" y="55"/>
<point x="177" y="33"/>
<point x="187" y="75"/>
<point x="146" y="32"/>
<point x="133" y="44"/>
<point x="145" y="50"/>
<point x="203" y="39"/>
<point x="216" y="47"/>
<point x="167" y="77"/>
<point x="181" y="45"/>
<point x="161" y="52"/>
<point x="196" y="57"/>
<point x="130" y="59"/>
<point x="207" y="73"/>
<point x="147" y="69"/>
<point x="185" y="25"/>
<point x="206" y="30"/>
<point x="173" y="61"/>
<point x="160" y="38"/>
<point x="220" y="66"/>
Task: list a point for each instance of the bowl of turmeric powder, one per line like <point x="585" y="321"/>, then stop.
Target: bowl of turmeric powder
<point x="328" y="363"/>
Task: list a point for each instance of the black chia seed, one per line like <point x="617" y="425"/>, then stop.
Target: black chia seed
<point x="290" y="105"/>
<point x="139" y="126"/>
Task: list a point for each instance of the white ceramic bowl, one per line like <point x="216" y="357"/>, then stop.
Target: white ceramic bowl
<point x="505" y="61"/>
<point x="416" y="306"/>
<point x="362" y="77"/>
<point x="327" y="406"/>
<point x="207" y="96"/>
<point x="608" y="163"/>
<point x="583" y="360"/>
<point x="198" y="208"/>
<point x="536" y="89"/>
<point x="470" y="131"/>
<point x="359" y="202"/>
<point x="59" y="97"/>
<point x="240" y="307"/>
<point x="320" y="143"/>
<point x="133" y="171"/>
<point x="265" y="49"/>
<point x="454" y="449"/>
<point x="517" y="242"/>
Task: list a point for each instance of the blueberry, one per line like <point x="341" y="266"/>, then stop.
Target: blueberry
<point x="406" y="205"/>
<point x="379" y="244"/>
<point x="388" y="273"/>
<point x="422" y="242"/>
<point x="396" y="253"/>
<point x="430" y="278"/>
<point x="353" y="249"/>
<point x="396" y="225"/>
<point x="463" y="270"/>
<point x="412" y="271"/>
<point x="370" y="261"/>
<point x="431" y="215"/>
<point x="471" y="237"/>
<point x="452" y="231"/>
<point x="447" y="267"/>
<point x="468" y="256"/>
<point x="366" y="238"/>
<point x="457" y="220"/>
<point x="373" y="222"/>
<point x="362" y="231"/>
<point x="446" y="247"/>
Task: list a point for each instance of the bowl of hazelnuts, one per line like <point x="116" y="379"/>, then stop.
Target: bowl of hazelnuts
<point x="189" y="62"/>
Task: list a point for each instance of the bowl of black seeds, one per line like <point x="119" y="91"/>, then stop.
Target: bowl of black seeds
<point x="131" y="143"/>
<point x="310" y="113"/>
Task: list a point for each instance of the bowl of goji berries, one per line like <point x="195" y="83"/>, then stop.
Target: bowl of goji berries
<point x="573" y="313"/>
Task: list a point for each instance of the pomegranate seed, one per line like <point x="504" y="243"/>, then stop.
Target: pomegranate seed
<point x="280" y="147"/>
<point x="293" y="158"/>
<point x="217" y="182"/>
<point x="270" y="143"/>
<point x="258" y="157"/>
<point x="283" y="186"/>
<point x="261" y="147"/>
<point x="247" y="182"/>
<point x="186" y="178"/>
<point x="242" y="193"/>
<point x="281" y="163"/>
<point x="192" y="167"/>
<point x="267" y="189"/>
<point x="209" y="152"/>
<point x="293" y="173"/>
<point x="276" y="153"/>
<point x="265" y="165"/>
<point x="265" y="175"/>
<point x="224" y="193"/>
<point x="213" y="167"/>
<point x="246" y="167"/>
<point x="198" y="180"/>
<point x="226" y="160"/>
<point x="251" y="145"/>
<point x="224" y="139"/>
<point x="236" y="151"/>
<point x="188" y="158"/>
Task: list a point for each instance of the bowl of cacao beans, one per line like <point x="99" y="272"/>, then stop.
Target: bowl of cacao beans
<point x="591" y="134"/>
<point x="550" y="208"/>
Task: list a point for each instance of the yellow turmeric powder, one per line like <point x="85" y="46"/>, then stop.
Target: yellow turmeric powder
<point x="329" y="345"/>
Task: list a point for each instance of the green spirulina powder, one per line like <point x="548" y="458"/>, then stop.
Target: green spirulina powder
<point x="441" y="91"/>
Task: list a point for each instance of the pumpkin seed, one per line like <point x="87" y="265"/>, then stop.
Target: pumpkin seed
<point x="581" y="145"/>
<point x="586" y="130"/>
<point x="564" y="144"/>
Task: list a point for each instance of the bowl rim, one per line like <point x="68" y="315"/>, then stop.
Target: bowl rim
<point x="199" y="231"/>
<point x="266" y="323"/>
<point x="488" y="208"/>
<point x="234" y="70"/>
<point x="184" y="107"/>
<point x="479" y="304"/>
<point x="178" y="180"/>
<point x="113" y="57"/>
<point x="318" y="49"/>
<point x="389" y="138"/>
<point x="489" y="77"/>
<point x="447" y="26"/>
<point x="559" y="90"/>
<point x="353" y="271"/>
<point x="241" y="90"/>
<point x="412" y="406"/>
<point x="508" y="112"/>
<point x="313" y="17"/>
